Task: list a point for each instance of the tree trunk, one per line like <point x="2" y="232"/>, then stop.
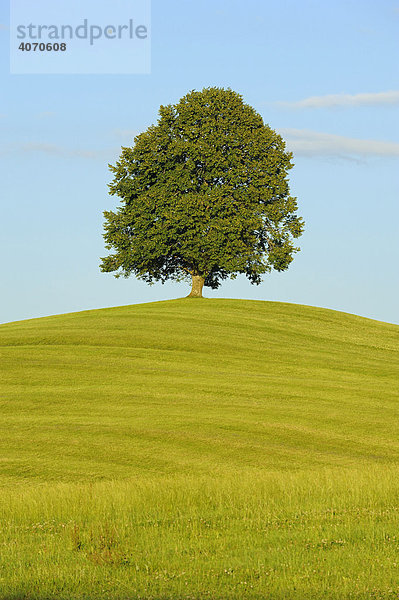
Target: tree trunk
<point x="197" y="285"/>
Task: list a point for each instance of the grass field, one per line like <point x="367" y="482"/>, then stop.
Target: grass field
<point x="194" y="449"/>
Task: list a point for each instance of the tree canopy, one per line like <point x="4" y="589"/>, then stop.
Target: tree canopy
<point x="204" y="195"/>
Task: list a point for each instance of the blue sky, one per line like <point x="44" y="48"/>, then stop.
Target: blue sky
<point x="323" y="74"/>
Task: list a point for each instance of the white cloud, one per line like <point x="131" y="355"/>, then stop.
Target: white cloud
<point x="304" y="142"/>
<point x="333" y="100"/>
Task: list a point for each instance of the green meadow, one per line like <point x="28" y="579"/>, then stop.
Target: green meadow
<point x="199" y="449"/>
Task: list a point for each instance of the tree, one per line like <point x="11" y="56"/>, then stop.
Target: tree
<point x="204" y="195"/>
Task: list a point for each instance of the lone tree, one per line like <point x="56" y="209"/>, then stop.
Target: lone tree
<point x="204" y="195"/>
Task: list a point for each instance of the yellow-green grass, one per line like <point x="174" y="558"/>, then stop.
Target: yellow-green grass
<point x="199" y="449"/>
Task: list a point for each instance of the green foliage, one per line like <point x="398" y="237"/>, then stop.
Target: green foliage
<point x="203" y="192"/>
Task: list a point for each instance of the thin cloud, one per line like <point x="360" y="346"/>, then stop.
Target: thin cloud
<point x="334" y="100"/>
<point x="124" y="133"/>
<point x="57" y="151"/>
<point x="304" y="142"/>
<point x="46" y="114"/>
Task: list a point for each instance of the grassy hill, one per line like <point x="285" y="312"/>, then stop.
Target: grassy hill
<point x="199" y="449"/>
